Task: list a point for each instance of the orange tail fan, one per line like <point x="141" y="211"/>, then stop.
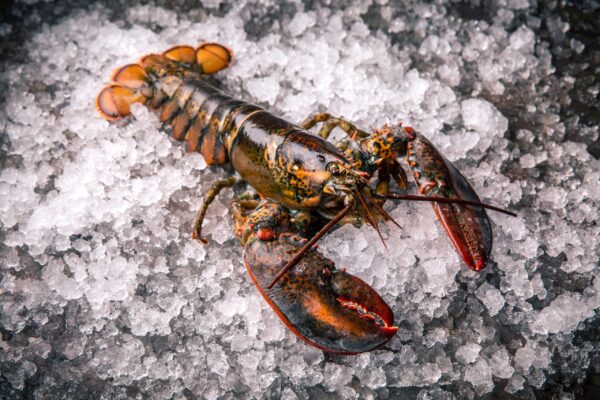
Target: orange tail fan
<point x="129" y="82"/>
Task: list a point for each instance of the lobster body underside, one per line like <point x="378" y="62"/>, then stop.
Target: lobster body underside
<point x="301" y="178"/>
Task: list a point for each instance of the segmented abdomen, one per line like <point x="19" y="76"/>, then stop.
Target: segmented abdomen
<point x="279" y="159"/>
<point x="174" y="83"/>
<point x="201" y="115"/>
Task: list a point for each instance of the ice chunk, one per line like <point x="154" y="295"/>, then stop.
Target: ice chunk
<point x="500" y="363"/>
<point x="491" y="298"/>
<point x="481" y="116"/>
<point x="468" y="353"/>
<point x="562" y="315"/>
<point x="522" y="38"/>
<point x="146" y="319"/>
<point x="524" y="358"/>
<point x="300" y="23"/>
<point x="480" y="376"/>
<point x="264" y="89"/>
<point x="518" y="4"/>
<point x="527" y="161"/>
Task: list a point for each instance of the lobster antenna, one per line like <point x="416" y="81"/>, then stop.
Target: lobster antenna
<point x="309" y="244"/>
<point x="437" y="199"/>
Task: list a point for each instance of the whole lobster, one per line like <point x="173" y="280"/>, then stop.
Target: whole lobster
<point x="297" y="170"/>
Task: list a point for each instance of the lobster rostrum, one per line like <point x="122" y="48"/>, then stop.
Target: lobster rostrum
<point x="297" y="170"/>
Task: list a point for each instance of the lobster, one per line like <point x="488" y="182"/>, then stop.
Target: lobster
<point x="301" y="172"/>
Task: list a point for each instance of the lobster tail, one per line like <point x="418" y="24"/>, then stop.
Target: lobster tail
<point x="173" y="84"/>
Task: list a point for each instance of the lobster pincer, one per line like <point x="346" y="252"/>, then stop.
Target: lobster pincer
<point x="325" y="306"/>
<point x="456" y="204"/>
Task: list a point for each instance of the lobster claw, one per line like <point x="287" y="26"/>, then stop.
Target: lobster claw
<point x="326" y="307"/>
<point x="468" y="227"/>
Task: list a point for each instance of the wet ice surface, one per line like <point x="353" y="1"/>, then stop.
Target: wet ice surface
<point x="104" y="294"/>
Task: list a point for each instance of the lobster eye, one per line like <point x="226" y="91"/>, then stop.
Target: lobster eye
<point x="334" y="169"/>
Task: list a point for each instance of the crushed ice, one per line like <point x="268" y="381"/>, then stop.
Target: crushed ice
<point x="99" y="272"/>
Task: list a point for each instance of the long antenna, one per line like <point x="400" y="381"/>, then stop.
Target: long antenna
<point x="395" y="196"/>
<point x="308" y="245"/>
<point x="437" y="199"/>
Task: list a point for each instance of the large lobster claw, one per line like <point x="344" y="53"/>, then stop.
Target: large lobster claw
<point x="324" y="306"/>
<point x="467" y="226"/>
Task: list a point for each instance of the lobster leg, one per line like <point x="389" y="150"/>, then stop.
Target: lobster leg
<point x="240" y="209"/>
<point x="326" y="307"/>
<point x="330" y="123"/>
<point x="211" y="193"/>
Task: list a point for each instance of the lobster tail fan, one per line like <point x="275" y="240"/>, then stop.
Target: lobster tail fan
<point x="152" y="62"/>
<point x="131" y="82"/>
<point x="213" y="57"/>
<point x="184" y="54"/>
<point x="114" y="101"/>
<point x="132" y="76"/>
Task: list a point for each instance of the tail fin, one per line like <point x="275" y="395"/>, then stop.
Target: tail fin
<point x="132" y="76"/>
<point x="185" y="54"/>
<point x="115" y="99"/>
<point x="213" y="57"/>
